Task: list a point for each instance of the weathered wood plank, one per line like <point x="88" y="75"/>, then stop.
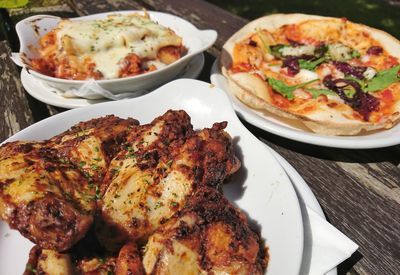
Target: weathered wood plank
<point x="13" y="103"/>
<point x="91" y="7"/>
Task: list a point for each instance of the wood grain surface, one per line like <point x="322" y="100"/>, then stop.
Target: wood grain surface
<point x="359" y="190"/>
<point x="13" y="103"/>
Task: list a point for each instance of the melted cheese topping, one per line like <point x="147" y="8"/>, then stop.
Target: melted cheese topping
<point x="107" y="42"/>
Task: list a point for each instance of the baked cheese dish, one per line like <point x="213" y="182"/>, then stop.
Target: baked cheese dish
<point x="118" y="46"/>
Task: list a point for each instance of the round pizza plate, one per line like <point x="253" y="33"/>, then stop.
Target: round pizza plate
<point x="294" y="130"/>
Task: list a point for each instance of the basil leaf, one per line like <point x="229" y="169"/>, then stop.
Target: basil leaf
<point x="316" y="92"/>
<point x="310" y="65"/>
<point x="383" y="79"/>
<point x="285" y="90"/>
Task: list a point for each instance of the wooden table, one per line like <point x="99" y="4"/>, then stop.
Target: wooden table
<point x="358" y="189"/>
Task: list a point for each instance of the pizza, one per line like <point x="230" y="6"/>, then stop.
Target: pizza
<point x="334" y="76"/>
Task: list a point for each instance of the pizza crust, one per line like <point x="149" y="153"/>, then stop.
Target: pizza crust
<point x="255" y="93"/>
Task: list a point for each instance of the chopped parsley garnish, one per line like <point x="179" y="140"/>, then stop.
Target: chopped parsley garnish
<point x="169" y="163"/>
<point x="30" y="268"/>
<point x="115" y="170"/>
<point x="158" y="205"/>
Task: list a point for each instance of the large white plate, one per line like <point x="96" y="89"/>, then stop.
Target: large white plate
<point x="307" y="200"/>
<point x="42" y="92"/>
<point x="288" y="128"/>
<point x="261" y="188"/>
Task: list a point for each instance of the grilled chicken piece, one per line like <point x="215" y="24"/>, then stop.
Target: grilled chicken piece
<point x="45" y="191"/>
<point x="152" y="179"/>
<point x="50" y="262"/>
<point x="144" y="161"/>
<point x="91" y="145"/>
<point x="129" y="261"/>
<point x="209" y="236"/>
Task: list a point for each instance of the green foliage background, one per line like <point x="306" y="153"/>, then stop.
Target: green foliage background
<point x="374" y="13"/>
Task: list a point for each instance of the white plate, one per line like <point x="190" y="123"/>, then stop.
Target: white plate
<point x="195" y="41"/>
<point x="261" y="188"/>
<point x="306" y="198"/>
<point x="48" y="95"/>
<point x="288" y="128"/>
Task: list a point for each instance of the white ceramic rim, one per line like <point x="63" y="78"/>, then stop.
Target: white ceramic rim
<point x="208" y="37"/>
<point x="37" y="89"/>
<point x="304" y="191"/>
<point x="379" y="139"/>
<point x="201" y="100"/>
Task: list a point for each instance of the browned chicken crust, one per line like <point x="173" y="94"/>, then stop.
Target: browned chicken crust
<point x="163" y="165"/>
<point x="156" y="185"/>
<point x="50" y="262"/>
<point x="209" y="236"/>
<point x="48" y="190"/>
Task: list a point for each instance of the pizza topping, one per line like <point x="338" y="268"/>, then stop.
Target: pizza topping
<point x="309" y="57"/>
<point x="289" y="64"/>
<point x="264" y="41"/>
<point x="375" y="50"/>
<point x="304" y="76"/>
<point x="340" y="52"/>
<point x="346" y="68"/>
<point x="369" y="73"/>
<point x="297" y="51"/>
<point x="285" y="90"/>
<point x="253" y="43"/>
<point x="352" y="94"/>
<point x="383" y="79"/>
<point x="317" y="92"/>
<point x="292" y="65"/>
<point x="310" y="64"/>
<point x="275" y="50"/>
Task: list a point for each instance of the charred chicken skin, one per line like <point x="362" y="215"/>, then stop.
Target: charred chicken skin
<point x="209" y="236"/>
<point x="163" y="166"/>
<point x="153" y="192"/>
<point x="48" y="190"/>
<point x="50" y="262"/>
